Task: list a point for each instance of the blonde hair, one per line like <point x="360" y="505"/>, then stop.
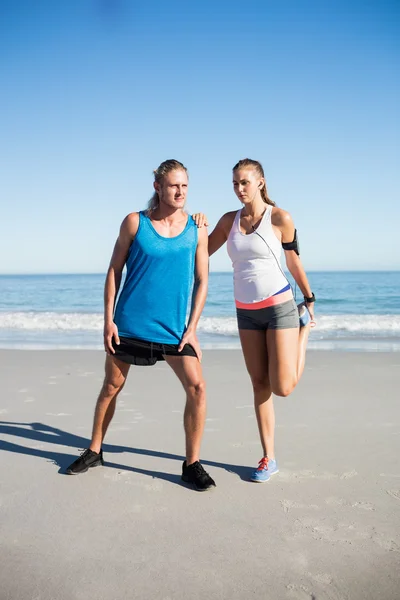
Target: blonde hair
<point x="254" y="164"/>
<point x="166" y="167"/>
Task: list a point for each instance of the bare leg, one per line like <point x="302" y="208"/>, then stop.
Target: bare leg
<point x="189" y="373"/>
<point x="116" y="372"/>
<point x="255" y="354"/>
<point x="285" y="358"/>
<point x="301" y="358"/>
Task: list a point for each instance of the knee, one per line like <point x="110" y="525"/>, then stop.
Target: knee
<point x="197" y="391"/>
<point x="284" y="388"/>
<point x="111" y="388"/>
<point x="261" y="385"/>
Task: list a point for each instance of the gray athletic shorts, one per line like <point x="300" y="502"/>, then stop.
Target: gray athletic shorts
<point x="278" y="316"/>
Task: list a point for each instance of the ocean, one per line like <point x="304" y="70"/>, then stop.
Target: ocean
<point x="357" y="311"/>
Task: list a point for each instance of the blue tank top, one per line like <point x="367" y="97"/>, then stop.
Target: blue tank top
<point x="153" y="303"/>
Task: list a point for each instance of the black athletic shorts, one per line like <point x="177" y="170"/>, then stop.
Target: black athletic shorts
<point x="146" y="354"/>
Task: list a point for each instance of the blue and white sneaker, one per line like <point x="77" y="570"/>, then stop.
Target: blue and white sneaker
<point x="266" y="468"/>
<point x="304" y="315"/>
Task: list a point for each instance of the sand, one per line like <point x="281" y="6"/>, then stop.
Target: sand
<point x="326" y="527"/>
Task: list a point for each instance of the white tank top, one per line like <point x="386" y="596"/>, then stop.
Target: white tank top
<point x="256" y="274"/>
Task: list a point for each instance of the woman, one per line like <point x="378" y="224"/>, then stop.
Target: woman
<point x="273" y="330"/>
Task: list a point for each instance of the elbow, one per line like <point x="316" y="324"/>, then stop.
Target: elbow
<point x="201" y="282"/>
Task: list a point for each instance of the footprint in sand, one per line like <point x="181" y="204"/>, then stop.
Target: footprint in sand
<point x="341" y="502"/>
<point x="306" y="474"/>
<point x="22" y="390"/>
<point x="144" y="481"/>
<point x="336" y="501"/>
<point x="3" y="411"/>
<point x="349" y="475"/>
<point x="117" y="476"/>
<point x="59" y="414"/>
<point x="29" y="399"/>
<point x="323" y="578"/>
<point x="363" y="505"/>
<point x="394" y="494"/>
<point x="384" y="542"/>
<point x="302" y="593"/>
<point x="289" y="504"/>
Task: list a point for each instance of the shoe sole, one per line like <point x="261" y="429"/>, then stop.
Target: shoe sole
<point x="194" y="486"/>
<point x="85" y="471"/>
<point x="264" y="480"/>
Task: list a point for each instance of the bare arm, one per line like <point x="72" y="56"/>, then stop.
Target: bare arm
<point x="127" y="233"/>
<point x="220" y="233"/>
<point x="283" y="221"/>
<point x="199" y="292"/>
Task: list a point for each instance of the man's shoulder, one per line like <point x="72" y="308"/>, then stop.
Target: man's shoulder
<point x="130" y="224"/>
<point x="132" y="219"/>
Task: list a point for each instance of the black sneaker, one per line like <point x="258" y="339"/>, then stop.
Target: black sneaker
<point x="197" y="476"/>
<point x="87" y="459"/>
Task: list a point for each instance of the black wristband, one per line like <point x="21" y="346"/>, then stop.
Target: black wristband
<point x="310" y="299"/>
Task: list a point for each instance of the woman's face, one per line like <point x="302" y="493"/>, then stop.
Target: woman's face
<point x="247" y="184"/>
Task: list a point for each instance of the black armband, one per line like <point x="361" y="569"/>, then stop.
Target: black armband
<point x="310" y="299"/>
<point x="292" y="245"/>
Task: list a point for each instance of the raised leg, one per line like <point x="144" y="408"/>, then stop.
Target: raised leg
<point x="286" y="356"/>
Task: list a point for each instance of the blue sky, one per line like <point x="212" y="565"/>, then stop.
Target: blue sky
<point x="95" y="94"/>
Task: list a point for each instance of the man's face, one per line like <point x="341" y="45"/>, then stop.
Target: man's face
<point x="173" y="189"/>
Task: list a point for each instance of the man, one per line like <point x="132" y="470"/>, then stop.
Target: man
<point x="163" y="252"/>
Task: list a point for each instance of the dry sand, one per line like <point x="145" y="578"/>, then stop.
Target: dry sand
<point x="326" y="527"/>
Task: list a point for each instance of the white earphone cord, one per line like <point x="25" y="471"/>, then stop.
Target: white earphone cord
<point x="277" y="262"/>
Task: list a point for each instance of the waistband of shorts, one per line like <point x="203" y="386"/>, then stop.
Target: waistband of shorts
<point x="271" y="301"/>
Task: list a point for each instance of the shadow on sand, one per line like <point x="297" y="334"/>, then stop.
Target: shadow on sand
<point x="42" y="433"/>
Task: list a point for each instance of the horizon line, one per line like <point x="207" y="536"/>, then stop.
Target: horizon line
<point x="104" y="273"/>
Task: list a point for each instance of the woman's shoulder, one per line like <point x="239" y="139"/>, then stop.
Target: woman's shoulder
<point x="226" y="221"/>
<point x="229" y="217"/>
<point x="280" y="217"/>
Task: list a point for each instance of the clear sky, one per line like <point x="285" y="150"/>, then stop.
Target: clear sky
<point x="96" y="93"/>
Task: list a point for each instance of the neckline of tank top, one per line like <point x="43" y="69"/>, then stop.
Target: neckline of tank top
<point x="175" y="237"/>
<point x="267" y="210"/>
